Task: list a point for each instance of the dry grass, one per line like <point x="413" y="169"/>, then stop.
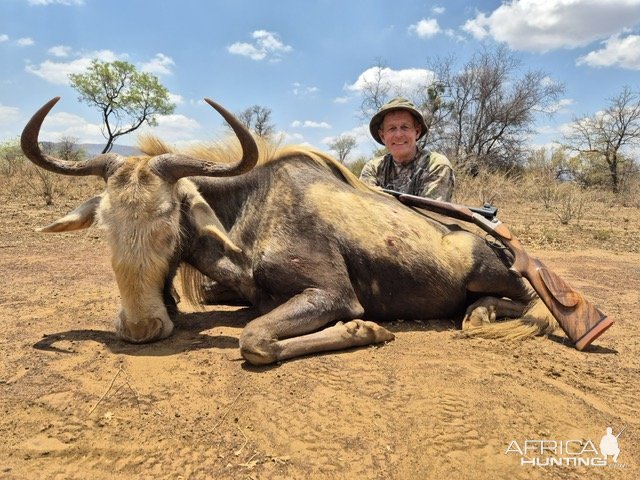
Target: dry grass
<point x="547" y="214"/>
<point x="541" y="212"/>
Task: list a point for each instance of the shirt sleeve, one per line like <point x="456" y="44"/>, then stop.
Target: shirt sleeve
<point x="369" y="174"/>
<point x="438" y="183"/>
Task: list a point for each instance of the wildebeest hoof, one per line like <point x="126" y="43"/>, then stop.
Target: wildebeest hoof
<point x="479" y="317"/>
<point x="143" y="331"/>
<point x="366" y="332"/>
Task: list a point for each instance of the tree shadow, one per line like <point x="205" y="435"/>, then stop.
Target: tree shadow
<point x="188" y="334"/>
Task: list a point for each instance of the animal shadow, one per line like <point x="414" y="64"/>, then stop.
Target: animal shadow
<point x="190" y="333"/>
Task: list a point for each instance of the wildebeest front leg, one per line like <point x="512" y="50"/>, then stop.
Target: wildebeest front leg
<point x="290" y="330"/>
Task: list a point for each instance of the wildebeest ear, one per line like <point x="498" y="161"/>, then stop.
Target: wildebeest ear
<point x="207" y="223"/>
<point x="81" y="217"/>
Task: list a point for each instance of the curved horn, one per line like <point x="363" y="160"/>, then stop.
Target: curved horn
<point x="172" y="167"/>
<point x="98" y="165"/>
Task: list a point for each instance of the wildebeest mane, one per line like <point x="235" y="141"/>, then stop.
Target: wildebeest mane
<point x="228" y="151"/>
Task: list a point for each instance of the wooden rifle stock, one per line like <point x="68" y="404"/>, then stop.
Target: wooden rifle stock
<point x="580" y="320"/>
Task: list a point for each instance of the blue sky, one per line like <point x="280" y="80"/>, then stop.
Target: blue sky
<point x="302" y="59"/>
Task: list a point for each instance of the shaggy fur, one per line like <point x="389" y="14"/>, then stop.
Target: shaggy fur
<point x="299" y="236"/>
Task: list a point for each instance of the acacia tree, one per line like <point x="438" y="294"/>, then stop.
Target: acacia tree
<point x="607" y="134"/>
<point x="125" y="97"/>
<point x="257" y="119"/>
<point x="68" y="149"/>
<point x="343" y="145"/>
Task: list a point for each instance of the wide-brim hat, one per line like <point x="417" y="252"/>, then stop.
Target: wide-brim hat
<point x="398" y="103"/>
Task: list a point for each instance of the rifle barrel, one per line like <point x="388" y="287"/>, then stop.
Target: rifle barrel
<point x="488" y="211"/>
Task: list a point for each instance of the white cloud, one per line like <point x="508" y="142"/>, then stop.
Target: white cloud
<point x="360" y="133"/>
<point x="438" y="10"/>
<point x="58" y="72"/>
<point x="8" y="115"/>
<point x="623" y="52"/>
<point x="289" y="138"/>
<point x="565" y="129"/>
<point x="247" y="50"/>
<point x="158" y="65"/>
<point x="341" y="100"/>
<point x="478" y="27"/>
<point x="454" y="35"/>
<point x="173" y="128"/>
<point x="25" y="42"/>
<point x="561" y="106"/>
<point x="60" y="51"/>
<point x="299" y="89"/>
<point x="543" y="25"/>
<point x="266" y="44"/>
<point x="63" y="124"/>
<point x="176" y="99"/>
<point x="407" y="80"/>
<point x="425" y="28"/>
<point x="309" y="124"/>
<point x="4" y="38"/>
<point x="53" y="2"/>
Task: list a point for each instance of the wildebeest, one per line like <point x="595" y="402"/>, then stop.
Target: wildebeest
<point x="319" y="254"/>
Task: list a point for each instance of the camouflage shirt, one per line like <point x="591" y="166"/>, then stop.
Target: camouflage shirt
<point x="429" y="175"/>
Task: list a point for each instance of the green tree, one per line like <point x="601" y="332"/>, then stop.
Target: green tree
<point x="343" y="145"/>
<point x="125" y="97"/>
<point x="68" y="149"/>
<point x="11" y="158"/>
<point x="357" y="165"/>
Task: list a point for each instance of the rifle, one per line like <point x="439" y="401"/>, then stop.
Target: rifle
<point x="580" y="320"/>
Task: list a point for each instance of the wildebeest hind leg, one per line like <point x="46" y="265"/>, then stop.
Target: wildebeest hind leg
<point x="505" y="296"/>
<point x="488" y="309"/>
<point x="292" y="329"/>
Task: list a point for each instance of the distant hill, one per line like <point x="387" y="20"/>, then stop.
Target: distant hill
<point x="93" y="149"/>
<point x="96" y="148"/>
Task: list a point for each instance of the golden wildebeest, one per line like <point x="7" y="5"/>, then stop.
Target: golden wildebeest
<point x="319" y="254"/>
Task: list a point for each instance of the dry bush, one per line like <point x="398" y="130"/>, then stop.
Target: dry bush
<point x="21" y="179"/>
<point x="487" y="187"/>
<point x="41" y="183"/>
<point x="36" y="186"/>
<point x="629" y="195"/>
<point x="570" y="204"/>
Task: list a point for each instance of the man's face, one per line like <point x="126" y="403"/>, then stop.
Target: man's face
<point x="399" y="134"/>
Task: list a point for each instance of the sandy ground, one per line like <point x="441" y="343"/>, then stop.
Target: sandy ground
<point x="76" y="402"/>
